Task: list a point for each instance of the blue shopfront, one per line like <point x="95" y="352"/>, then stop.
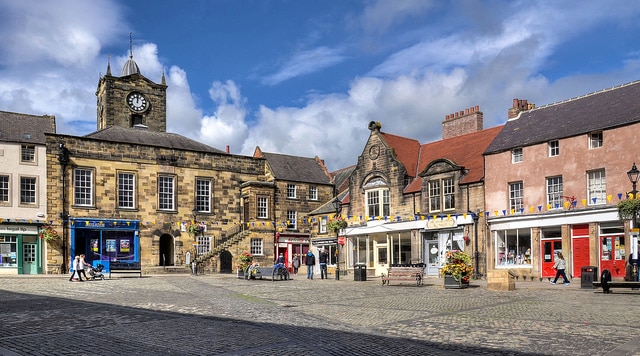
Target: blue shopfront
<point x="105" y="240"/>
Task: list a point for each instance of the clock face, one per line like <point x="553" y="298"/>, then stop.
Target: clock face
<point x="137" y="102"/>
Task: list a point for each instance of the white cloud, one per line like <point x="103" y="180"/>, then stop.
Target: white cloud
<point x="226" y="127"/>
<point x="305" y="62"/>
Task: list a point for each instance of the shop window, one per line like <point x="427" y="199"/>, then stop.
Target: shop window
<point x="331" y="251"/>
<point x="8" y="251"/>
<point x="513" y="247"/>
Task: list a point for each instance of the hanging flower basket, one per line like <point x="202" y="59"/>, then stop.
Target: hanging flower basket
<point x="194" y="228"/>
<point x="48" y="233"/>
<point x="337" y="224"/>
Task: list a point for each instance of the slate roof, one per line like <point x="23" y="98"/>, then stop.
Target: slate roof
<point x="606" y="109"/>
<point x="297" y="169"/>
<point x="23" y="128"/>
<point x="146" y="137"/>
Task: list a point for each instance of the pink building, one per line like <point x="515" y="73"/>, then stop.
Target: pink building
<point x="554" y="176"/>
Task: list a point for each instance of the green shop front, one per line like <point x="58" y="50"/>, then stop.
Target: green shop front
<point x="105" y="240"/>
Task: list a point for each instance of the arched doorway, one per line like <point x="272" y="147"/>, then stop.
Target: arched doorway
<point x="166" y="251"/>
<point x="226" y="262"/>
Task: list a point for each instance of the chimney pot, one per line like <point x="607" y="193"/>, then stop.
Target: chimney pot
<point x="227" y="149"/>
<point x="466" y="111"/>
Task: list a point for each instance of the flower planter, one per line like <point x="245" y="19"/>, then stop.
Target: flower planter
<point x="451" y="283"/>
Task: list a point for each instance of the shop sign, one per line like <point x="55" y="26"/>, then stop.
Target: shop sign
<point x="18" y="229"/>
<point x="327" y="241"/>
<point x="440" y="223"/>
<point x="341" y="240"/>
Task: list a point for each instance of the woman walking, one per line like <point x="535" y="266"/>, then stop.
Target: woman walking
<point x="560" y="267"/>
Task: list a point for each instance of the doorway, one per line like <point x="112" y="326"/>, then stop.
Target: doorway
<point x="380" y="255"/>
<point x="226" y="262"/>
<point x="432" y="259"/>
<point x="166" y="251"/>
<point x="612" y="255"/>
<point x="29" y="259"/>
<point x="549" y="250"/>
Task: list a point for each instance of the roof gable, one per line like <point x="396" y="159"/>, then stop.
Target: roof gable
<point x="597" y="111"/>
<point x="297" y="169"/>
<point x="23" y="128"/>
<point x="406" y="150"/>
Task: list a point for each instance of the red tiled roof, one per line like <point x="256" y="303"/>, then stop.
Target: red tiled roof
<point x="406" y="150"/>
<point x="465" y="150"/>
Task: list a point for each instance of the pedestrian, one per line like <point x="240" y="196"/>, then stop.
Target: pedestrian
<point x="75" y="266"/>
<point x="296" y="264"/>
<point x="560" y="266"/>
<point x="82" y="265"/>
<point x="310" y="262"/>
<point x="324" y="257"/>
<point x="280" y="259"/>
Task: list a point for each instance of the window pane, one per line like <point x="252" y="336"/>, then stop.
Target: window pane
<point x="554" y="192"/>
<point x="203" y="195"/>
<point x="385" y="203"/>
<point x="126" y="190"/>
<point x="28" y="153"/>
<point x="597" y="188"/>
<point x="27" y="190"/>
<point x="313" y="193"/>
<point x="165" y="193"/>
<point x="434" y="196"/>
<point x="373" y="204"/>
<point x="83" y="187"/>
<point x="291" y="191"/>
<point x="262" y="211"/>
<point x="515" y="197"/>
<point x="4" y="189"/>
<point x="448" y="188"/>
<point x="256" y="247"/>
<point x="291" y="219"/>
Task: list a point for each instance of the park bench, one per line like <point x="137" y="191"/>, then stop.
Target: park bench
<point x="124" y="267"/>
<point x="606" y="286"/>
<point x="412" y="272"/>
<point x="261" y="272"/>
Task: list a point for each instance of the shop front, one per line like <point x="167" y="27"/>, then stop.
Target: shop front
<point x="105" y="241"/>
<point x="291" y="245"/>
<point x="442" y="235"/>
<point x="21" y="251"/>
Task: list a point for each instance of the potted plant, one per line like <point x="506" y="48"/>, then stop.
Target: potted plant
<point x="194" y="228"/>
<point x="48" y="233"/>
<point x="457" y="269"/>
<point x="244" y="261"/>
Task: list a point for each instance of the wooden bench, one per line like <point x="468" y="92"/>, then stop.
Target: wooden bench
<point x="404" y="273"/>
<point x="124" y="267"/>
<point x="261" y="272"/>
<point x="606" y="287"/>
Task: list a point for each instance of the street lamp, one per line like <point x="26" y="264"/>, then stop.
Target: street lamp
<point x="337" y="206"/>
<point x="195" y="241"/>
<point x="633" y="175"/>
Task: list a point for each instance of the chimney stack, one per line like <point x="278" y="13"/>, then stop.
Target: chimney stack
<point x="462" y="122"/>
<point x="518" y="107"/>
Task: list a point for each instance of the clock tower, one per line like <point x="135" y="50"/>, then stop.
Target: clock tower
<point x="131" y="99"/>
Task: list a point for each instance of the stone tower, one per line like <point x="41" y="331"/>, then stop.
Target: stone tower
<point x="131" y="99"/>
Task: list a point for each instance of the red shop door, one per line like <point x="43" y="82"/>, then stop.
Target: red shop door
<point x="580" y="255"/>
<point x="612" y="255"/>
<point x="549" y="249"/>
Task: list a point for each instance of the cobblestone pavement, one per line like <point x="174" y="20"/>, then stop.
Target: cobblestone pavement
<point x="223" y="315"/>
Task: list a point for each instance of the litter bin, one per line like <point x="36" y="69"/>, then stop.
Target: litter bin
<point x="360" y="273"/>
<point x="588" y="275"/>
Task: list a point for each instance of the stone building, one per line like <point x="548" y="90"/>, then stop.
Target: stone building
<point x="23" y="192"/>
<point x="410" y="203"/>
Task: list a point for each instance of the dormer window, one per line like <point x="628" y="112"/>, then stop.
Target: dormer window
<point x="377" y="198"/>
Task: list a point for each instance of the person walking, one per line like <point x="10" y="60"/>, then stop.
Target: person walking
<point x="296" y="264"/>
<point x="76" y="269"/>
<point x="560" y="267"/>
<point x="81" y="267"/>
<point x="311" y="263"/>
<point x="324" y="256"/>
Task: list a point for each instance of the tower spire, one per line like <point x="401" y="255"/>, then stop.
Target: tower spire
<point x="130" y="44"/>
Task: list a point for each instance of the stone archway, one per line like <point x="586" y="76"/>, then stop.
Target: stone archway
<point x="226" y="262"/>
<point x="167" y="251"/>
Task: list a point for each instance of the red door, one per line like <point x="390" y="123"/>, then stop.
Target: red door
<point x="580" y="255"/>
<point x="612" y="255"/>
<point x="549" y="249"/>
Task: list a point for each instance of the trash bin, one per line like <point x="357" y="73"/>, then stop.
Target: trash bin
<point x="360" y="273"/>
<point x="588" y="275"/>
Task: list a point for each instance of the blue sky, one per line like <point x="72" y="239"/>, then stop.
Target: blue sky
<point x="305" y="77"/>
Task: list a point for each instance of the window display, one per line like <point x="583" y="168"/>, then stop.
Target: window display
<point x="8" y="251"/>
<point x="513" y="247"/>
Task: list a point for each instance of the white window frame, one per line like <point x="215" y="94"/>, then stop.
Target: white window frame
<point x="313" y="192"/>
<point x="516" y="196"/>
<point x="203" y="195"/>
<point x="517" y="155"/>
<point x="257" y="248"/>
<point x="596" y="139"/>
<point x="28" y="152"/>
<point x="291" y="191"/>
<point x="126" y="190"/>
<point x="5" y="189"/>
<point x="83" y="181"/>
<point x="377" y="201"/>
<point x="442" y="195"/>
<point x="596" y="187"/>
<point x="204" y="244"/>
<point x="262" y="207"/>
<point x="28" y="190"/>
<point x="323" y="226"/>
<point x="292" y="219"/>
<point x="435" y="200"/>
<point x="166" y="193"/>
<point x="555" y="192"/>
<point x="554" y="148"/>
<point x="513" y="247"/>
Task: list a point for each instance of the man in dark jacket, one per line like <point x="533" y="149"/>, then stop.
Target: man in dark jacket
<point x="324" y="257"/>
<point x="311" y="262"/>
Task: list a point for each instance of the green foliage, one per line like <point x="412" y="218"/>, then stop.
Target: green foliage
<point x="628" y="208"/>
<point x="336" y="224"/>
<point x="458" y="265"/>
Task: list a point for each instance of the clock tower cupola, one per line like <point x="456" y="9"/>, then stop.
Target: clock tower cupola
<point x="131" y="100"/>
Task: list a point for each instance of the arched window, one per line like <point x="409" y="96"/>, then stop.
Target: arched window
<point x="377" y="198"/>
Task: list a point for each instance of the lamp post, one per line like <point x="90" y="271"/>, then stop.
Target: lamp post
<point x="194" y="264"/>
<point x="63" y="159"/>
<point x="633" y="175"/>
<point x="337" y="205"/>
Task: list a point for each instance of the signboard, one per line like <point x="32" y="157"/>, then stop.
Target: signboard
<point x="341" y="240"/>
<point x="326" y="241"/>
